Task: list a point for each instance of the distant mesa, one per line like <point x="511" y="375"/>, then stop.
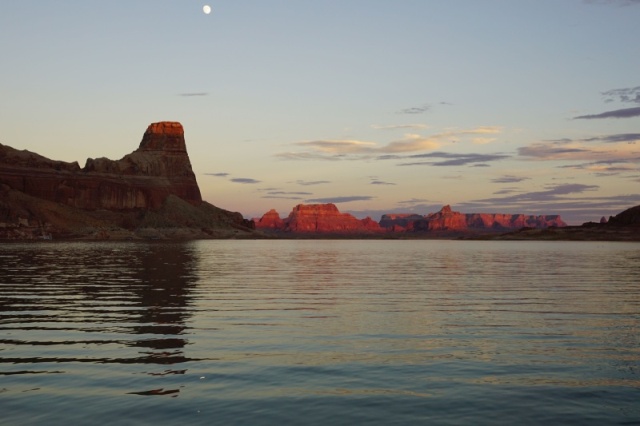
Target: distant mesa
<point x="316" y="219"/>
<point x="327" y="219"/>
<point x="153" y="187"/>
<point x="449" y="220"/>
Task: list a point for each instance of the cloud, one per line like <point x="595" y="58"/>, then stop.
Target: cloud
<point x="400" y="126"/>
<point x="551" y="194"/>
<point x="414" y="201"/>
<point x="312" y="182"/>
<point x="576" y="151"/>
<point x="410" y="143"/>
<point x="217" y="174"/>
<point x="289" y="193"/>
<point x="349" y="149"/>
<point x="379" y="182"/>
<point x="482" y="141"/>
<point x="505" y="191"/>
<point x="335" y="200"/>
<point x="606" y="167"/>
<point x="277" y="197"/>
<point x="622" y="137"/>
<point x="550" y="151"/>
<point x="627" y="95"/>
<point x="194" y="94"/>
<point x="245" y="180"/>
<point x="307" y="156"/>
<point x="509" y="179"/>
<point x="415" y="110"/>
<point x="339" y="146"/>
<point x="618" y="113"/>
<point x="454" y="159"/>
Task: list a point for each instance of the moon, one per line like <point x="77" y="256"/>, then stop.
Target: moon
<point x="206" y="9"/>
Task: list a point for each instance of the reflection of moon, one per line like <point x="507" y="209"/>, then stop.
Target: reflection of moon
<point x="206" y="9"/>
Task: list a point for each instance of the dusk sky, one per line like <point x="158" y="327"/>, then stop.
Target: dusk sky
<point x="491" y="106"/>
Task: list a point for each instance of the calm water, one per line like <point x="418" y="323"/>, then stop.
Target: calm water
<point x="320" y="332"/>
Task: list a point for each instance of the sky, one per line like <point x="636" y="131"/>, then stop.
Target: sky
<point x="378" y="106"/>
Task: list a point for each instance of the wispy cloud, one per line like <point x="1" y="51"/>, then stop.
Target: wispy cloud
<point x="622" y="137"/>
<point x="509" y="179"/>
<point x="380" y="182"/>
<point x="336" y="200"/>
<point x="399" y="126"/>
<point x="618" y="113"/>
<point x="627" y="95"/>
<point x="307" y="156"/>
<point x="339" y="146"/>
<point x="505" y="191"/>
<point x="312" y="182"/>
<point x="606" y="167"/>
<point x="569" y="150"/>
<point x="415" y="110"/>
<point x="552" y="193"/>
<point x="289" y="193"/>
<point x="414" y="201"/>
<point x="217" y="174"/>
<point x="245" y="180"/>
<point x="341" y="149"/>
<point x="191" y="94"/>
<point x="281" y="197"/>
<point x="450" y="159"/>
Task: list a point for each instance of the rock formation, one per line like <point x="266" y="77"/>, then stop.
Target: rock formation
<point x="628" y="218"/>
<point x="269" y="220"/>
<point x="143" y="179"/>
<point x="317" y="219"/>
<point x="153" y="186"/>
<point x="325" y="218"/>
<point x="448" y="220"/>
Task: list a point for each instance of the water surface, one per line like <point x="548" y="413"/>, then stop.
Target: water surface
<point x="320" y="332"/>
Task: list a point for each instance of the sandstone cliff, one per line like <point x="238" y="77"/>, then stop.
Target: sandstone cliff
<point x="317" y="219"/>
<point x="153" y="187"/>
<point x="325" y="218"/>
<point x="624" y="226"/>
<point x="143" y="179"/>
<point x="449" y="220"/>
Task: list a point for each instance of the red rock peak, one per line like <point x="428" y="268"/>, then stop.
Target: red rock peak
<point x="164" y="136"/>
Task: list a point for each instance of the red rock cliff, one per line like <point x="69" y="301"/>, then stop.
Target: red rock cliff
<point x="449" y="220"/>
<point x="317" y="218"/>
<point x="143" y="179"/>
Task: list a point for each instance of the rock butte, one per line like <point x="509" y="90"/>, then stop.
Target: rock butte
<point x="316" y="218"/>
<point x="143" y="179"/>
<point x="325" y="218"/>
<point x="153" y="187"/>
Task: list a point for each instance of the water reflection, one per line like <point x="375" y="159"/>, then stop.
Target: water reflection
<point x="374" y="332"/>
<point x="96" y="295"/>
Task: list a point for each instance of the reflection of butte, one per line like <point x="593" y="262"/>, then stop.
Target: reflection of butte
<point x="167" y="281"/>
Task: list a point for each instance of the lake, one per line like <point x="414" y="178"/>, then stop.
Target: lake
<point x="317" y="332"/>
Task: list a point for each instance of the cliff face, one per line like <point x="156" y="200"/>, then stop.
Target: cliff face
<point x="449" y="220"/>
<point x="150" y="193"/>
<point x="325" y="218"/>
<point x="143" y="179"/>
<point x="629" y="217"/>
<point x="317" y="218"/>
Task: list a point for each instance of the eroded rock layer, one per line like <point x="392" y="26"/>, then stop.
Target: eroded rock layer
<point x="326" y="218"/>
<point x="317" y="218"/>
<point x="449" y="220"/>
<point x="143" y="179"/>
